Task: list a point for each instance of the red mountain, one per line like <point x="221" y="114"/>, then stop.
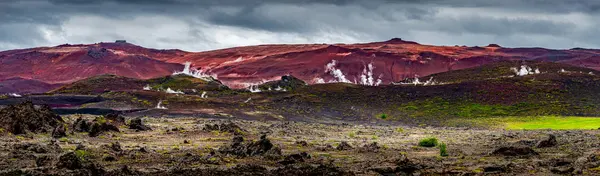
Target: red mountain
<point x="69" y="63"/>
<point x="393" y="60"/>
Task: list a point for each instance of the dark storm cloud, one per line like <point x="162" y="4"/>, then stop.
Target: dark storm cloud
<point x="209" y="24"/>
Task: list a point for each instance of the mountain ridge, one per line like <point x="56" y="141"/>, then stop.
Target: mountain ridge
<point x="392" y="61"/>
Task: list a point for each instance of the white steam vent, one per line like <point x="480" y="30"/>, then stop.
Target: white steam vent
<point x="15" y="95"/>
<point x="525" y="70"/>
<point x="366" y="78"/>
<point x="416" y="81"/>
<point x="171" y="91"/>
<point x="254" y="89"/>
<point x="337" y="74"/>
<point x="187" y="70"/>
<point x="160" y="106"/>
<point x="147" y="87"/>
<point x="203" y="95"/>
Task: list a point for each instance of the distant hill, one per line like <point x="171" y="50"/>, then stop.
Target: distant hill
<point x="389" y="61"/>
<point x="106" y="83"/>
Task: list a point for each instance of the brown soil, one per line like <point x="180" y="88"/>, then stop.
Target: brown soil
<point x="182" y="146"/>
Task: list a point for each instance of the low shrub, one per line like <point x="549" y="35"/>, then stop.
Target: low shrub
<point x="428" y="142"/>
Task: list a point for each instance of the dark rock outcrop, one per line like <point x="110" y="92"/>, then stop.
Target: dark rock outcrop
<point x="69" y="161"/>
<point x="286" y="83"/>
<point x="229" y="127"/>
<point x="344" y="146"/>
<point x="295" y="158"/>
<point x="514" y="151"/>
<point x="81" y="125"/>
<point x="372" y="147"/>
<point x="59" y="132"/>
<point x="262" y="147"/>
<point x="98" y="128"/>
<point x="137" y="124"/>
<point x="25" y="117"/>
<point x="550" y="141"/>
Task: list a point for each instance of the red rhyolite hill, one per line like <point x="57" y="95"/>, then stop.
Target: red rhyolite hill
<point x="392" y="61"/>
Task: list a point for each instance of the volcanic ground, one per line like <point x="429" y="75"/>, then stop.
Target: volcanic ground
<point x="462" y="122"/>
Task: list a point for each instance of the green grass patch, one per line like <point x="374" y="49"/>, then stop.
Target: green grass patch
<point x="533" y="123"/>
<point x="556" y="123"/>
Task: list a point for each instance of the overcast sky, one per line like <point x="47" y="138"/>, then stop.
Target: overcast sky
<point x="198" y="25"/>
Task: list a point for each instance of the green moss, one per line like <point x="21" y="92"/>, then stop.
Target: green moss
<point x="82" y="154"/>
<point x="400" y="130"/>
<point x="352" y="134"/>
<point x="100" y="119"/>
<point x="63" y="139"/>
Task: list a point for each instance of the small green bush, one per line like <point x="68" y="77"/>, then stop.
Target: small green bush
<point x="400" y="130"/>
<point x="352" y="134"/>
<point x="82" y="154"/>
<point x="428" y="142"/>
<point x="100" y="119"/>
<point x="443" y="151"/>
<point x="383" y="116"/>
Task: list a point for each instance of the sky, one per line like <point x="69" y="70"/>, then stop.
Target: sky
<point x="200" y="25"/>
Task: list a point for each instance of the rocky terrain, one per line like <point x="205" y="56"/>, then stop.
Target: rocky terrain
<point x="191" y="123"/>
<point x="121" y="145"/>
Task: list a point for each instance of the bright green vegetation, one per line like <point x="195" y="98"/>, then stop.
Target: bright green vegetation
<point x="443" y="151"/>
<point x="428" y="142"/>
<point x="438" y="107"/>
<point x="557" y="123"/>
<point x="383" y="116"/>
<point x="352" y="134"/>
<point x="532" y="123"/>
<point x="82" y="154"/>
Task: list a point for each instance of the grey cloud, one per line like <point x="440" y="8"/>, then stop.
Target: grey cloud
<point x="208" y="24"/>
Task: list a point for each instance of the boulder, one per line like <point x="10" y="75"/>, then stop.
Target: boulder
<point x="344" y="146"/>
<point x="59" y="132"/>
<point x="229" y="127"/>
<point x="514" y="151"/>
<point x="25" y="117"/>
<point x="550" y="141"/>
<point x="81" y="125"/>
<point x="295" y="158"/>
<point x="69" y="161"/>
<point x="137" y="124"/>
<point x="262" y="147"/>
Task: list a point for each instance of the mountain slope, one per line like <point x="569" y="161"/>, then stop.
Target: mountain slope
<point x="393" y="60"/>
<point x="368" y="63"/>
<point x="69" y="63"/>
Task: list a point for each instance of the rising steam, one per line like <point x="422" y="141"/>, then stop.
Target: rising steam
<point x="254" y="88"/>
<point x="14" y="95"/>
<point x="171" y="91"/>
<point x="200" y="74"/>
<point x="415" y="81"/>
<point x="525" y="70"/>
<point x="366" y="78"/>
<point x="159" y="106"/>
<point x="337" y="74"/>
